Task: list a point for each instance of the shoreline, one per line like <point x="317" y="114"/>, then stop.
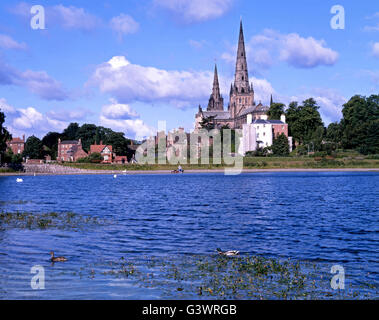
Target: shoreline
<point x="136" y="172"/>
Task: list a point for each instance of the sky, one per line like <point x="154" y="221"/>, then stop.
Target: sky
<point x="126" y="65"/>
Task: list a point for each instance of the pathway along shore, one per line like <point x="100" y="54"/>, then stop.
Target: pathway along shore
<point x="50" y="169"/>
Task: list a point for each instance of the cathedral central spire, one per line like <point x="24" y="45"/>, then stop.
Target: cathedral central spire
<point x="241" y="80"/>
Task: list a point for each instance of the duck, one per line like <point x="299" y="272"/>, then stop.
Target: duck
<point x="57" y="259"/>
<point x="229" y="253"/>
<point x="19" y="180"/>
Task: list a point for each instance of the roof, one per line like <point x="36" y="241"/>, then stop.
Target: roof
<point x="16" y="140"/>
<point x="252" y="109"/>
<point x="261" y="121"/>
<point x="218" y="115"/>
<point x="99" y="148"/>
<point x="70" y="142"/>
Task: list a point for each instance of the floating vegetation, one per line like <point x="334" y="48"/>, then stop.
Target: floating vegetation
<point x="51" y="220"/>
<point x="218" y="277"/>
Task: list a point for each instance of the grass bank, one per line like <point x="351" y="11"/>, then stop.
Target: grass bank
<point x="248" y="163"/>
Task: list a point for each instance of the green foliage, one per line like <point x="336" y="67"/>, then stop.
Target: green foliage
<point x="71" y="132"/>
<point x="33" y="148"/>
<point x="304" y="120"/>
<point x="4" y="137"/>
<point x="92" y="158"/>
<point x="50" y="144"/>
<point x="275" y="111"/>
<point x="280" y="145"/>
<point x="334" y="133"/>
<point x="16" y="159"/>
<point x="207" y="123"/>
<point x="360" y="124"/>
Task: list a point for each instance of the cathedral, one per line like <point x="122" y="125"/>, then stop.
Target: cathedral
<point x="241" y="99"/>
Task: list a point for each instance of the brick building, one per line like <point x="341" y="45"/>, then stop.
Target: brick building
<point x="104" y="149"/>
<point x="17" y="145"/>
<point x="70" y="150"/>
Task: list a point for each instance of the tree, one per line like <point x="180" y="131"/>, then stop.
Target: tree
<point x="360" y="124"/>
<point x="207" y="123"/>
<point x="71" y="132"/>
<point x="275" y="111"/>
<point x="33" y="148"/>
<point x="4" y="137"/>
<point x="303" y="120"/>
<point x="50" y="143"/>
<point x="280" y="145"/>
<point x="334" y="133"/>
<point x="87" y="133"/>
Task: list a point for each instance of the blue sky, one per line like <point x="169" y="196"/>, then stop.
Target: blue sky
<point x="128" y="64"/>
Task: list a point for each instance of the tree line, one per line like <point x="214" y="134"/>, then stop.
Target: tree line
<point x="89" y="134"/>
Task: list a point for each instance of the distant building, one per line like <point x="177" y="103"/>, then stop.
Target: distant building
<point x="17" y="145"/>
<point x="104" y="149"/>
<point x="70" y="150"/>
<point x="120" y="160"/>
<point x="241" y="98"/>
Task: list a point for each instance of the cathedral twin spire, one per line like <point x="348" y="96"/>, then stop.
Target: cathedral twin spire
<point x="241" y="79"/>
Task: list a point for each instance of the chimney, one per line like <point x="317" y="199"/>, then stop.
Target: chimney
<point x="23" y="137"/>
<point x="283" y="118"/>
<point x="101" y="142"/>
<point x="249" y="118"/>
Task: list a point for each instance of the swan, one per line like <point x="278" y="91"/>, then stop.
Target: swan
<point x="19" y="180"/>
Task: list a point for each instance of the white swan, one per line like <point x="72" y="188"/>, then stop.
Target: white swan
<point x="19" y="180"/>
<point x="115" y="176"/>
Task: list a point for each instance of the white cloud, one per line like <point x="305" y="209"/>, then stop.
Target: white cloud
<point x="263" y="49"/>
<point x="372" y="27"/>
<point x="197" y="44"/>
<point x="6" y="42"/>
<point x="68" y="115"/>
<point x="118" y="111"/>
<point x="129" y="82"/>
<point x="38" y="82"/>
<point x="124" y="24"/>
<point x="375" y="49"/>
<point x="123" y="118"/>
<point x="31" y="121"/>
<point x="306" y="52"/>
<point x="5" y="107"/>
<point x="195" y="10"/>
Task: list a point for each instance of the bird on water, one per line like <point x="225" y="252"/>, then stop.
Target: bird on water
<point x="57" y="259"/>
<point x="229" y="253"/>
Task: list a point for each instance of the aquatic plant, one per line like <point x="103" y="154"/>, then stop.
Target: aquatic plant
<point x="50" y="220"/>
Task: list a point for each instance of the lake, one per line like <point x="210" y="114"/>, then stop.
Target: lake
<point x="323" y="217"/>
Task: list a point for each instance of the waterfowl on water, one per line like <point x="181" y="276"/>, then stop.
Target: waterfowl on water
<point x="229" y="253"/>
<point x="57" y="259"/>
<point x="19" y="180"/>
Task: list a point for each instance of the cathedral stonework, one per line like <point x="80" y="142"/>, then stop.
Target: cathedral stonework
<point x="241" y="99"/>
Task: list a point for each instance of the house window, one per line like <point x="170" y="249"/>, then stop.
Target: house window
<point x="106" y="158"/>
<point x="264" y="133"/>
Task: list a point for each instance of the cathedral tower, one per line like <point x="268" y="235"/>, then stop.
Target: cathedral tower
<point x="241" y="92"/>
<point x="216" y="101"/>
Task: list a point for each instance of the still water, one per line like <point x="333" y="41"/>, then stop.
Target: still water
<point x="329" y="217"/>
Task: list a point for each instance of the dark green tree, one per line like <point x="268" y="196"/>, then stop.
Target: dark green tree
<point x="71" y="132"/>
<point x="275" y="111"/>
<point x="33" y="148"/>
<point x="280" y="146"/>
<point x="360" y="123"/>
<point x="334" y="133"/>
<point x="50" y="143"/>
<point x="208" y="123"/>
<point x="4" y="137"/>
<point x="87" y="132"/>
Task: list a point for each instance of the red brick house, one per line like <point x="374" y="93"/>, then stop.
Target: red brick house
<point x="17" y="145"/>
<point x="104" y="149"/>
<point x="279" y="127"/>
<point x="70" y="150"/>
<point x="120" y="159"/>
